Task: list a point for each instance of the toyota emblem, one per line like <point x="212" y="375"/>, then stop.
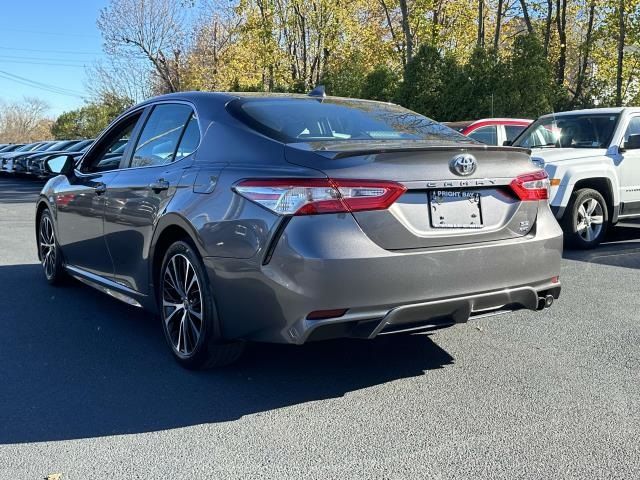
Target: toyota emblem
<point x="464" y="164"/>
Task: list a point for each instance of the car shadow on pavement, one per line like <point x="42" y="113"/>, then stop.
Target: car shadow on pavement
<point x="78" y="364"/>
<point x="621" y="248"/>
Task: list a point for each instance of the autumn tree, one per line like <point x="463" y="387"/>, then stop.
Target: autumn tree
<point x="24" y="121"/>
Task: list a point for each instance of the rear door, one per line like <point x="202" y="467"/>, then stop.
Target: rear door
<point x="143" y="189"/>
<point x="441" y="206"/>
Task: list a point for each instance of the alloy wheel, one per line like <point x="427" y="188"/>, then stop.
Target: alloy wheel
<point x="182" y="304"/>
<point x="47" y="240"/>
<point x="590" y="219"/>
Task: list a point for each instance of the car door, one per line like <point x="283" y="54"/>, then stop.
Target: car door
<point x="141" y="191"/>
<point x="81" y="203"/>
<point x="629" y="172"/>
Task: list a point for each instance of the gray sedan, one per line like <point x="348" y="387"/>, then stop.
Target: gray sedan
<point x="293" y="218"/>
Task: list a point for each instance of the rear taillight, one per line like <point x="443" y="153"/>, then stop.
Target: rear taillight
<point x="531" y="186"/>
<point x="299" y="196"/>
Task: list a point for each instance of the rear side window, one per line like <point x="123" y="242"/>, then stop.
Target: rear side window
<point x="488" y="135"/>
<point x="190" y="138"/>
<point x="292" y="120"/>
<point x="160" y="135"/>
<point x="512" y="131"/>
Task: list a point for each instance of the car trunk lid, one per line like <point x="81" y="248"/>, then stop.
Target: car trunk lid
<point x="441" y="206"/>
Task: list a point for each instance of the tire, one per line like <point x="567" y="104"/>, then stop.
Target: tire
<point x="586" y="221"/>
<point x="188" y="314"/>
<point x="49" y="251"/>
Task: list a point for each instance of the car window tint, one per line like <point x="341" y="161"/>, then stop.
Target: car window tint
<point x="488" y="135"/>
<point x="633" y="128"/>
<point x="160" y="135"/>
<point x="339" y="120"/>
<point x="512" y="131"/>
<point x="190" y="139"/>
<point x="109" y="153"/>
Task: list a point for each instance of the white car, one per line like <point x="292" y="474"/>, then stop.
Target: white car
<point x="593" y="161"/>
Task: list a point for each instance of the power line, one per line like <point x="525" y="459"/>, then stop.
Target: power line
<point x="44" y="63"/>
<point x="40" y="32"/>
<point x="38" y="50"/>
<point x="43" y="59"/>
<point x="39" y="85"/>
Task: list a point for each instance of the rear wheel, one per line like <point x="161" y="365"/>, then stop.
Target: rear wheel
<point x="586" y="220"/>
<point x="188" y="314"/>
<point x="49" y="251"/>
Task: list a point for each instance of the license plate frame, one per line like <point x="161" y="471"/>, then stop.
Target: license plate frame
<point x="455" y="209"/>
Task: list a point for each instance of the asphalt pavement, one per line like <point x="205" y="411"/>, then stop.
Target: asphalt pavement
<point x="89" y="390"/>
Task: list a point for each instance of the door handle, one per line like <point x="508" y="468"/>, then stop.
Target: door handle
<point x="159" y="185"/>
<point x="100" y="189"/>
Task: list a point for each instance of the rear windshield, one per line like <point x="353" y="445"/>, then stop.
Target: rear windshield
<point x="311" y="120"/>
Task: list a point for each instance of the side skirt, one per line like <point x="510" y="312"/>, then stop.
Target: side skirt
<point x="111" y="288"/>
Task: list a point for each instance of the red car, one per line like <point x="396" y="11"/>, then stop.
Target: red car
<point x="492" y="131"/>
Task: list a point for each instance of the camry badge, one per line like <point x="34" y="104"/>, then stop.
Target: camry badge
<point x="464" y="164"/>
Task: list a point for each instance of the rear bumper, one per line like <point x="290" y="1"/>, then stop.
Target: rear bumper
<point x="326" y="262"/>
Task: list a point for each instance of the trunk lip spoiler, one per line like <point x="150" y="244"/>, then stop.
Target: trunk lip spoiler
<point x="335" y="153"/>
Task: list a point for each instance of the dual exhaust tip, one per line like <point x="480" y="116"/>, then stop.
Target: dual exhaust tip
<point x="545" y="302"/>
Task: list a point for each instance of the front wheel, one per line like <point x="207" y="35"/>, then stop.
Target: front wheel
<point x="586" y="220"/>
<point x="49" y="251"/>
<point x="188" y="314"/>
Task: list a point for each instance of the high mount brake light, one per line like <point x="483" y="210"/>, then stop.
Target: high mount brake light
<point x="301" y="196"/>
<point x="531" y="186"/>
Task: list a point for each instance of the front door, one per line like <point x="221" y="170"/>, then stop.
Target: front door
<point x="139" y="195"/>
<point x="629" y="173"/>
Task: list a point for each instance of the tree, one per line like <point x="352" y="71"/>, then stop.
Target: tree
<point x="426" y="77"/>
<point x="89" y="120"/>
<point x="24" y="121"/>
<point x="381" y="84"/>
<point x="529" y="89"/>
<point x="150" y="30"/>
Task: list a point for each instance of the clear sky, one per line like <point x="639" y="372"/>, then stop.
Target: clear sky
<point x="49" y="42"/>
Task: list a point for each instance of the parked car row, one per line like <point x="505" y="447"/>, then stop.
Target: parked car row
<point x="29" y="159"/>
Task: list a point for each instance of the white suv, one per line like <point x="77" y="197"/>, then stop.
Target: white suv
<point x="593" y="161"/>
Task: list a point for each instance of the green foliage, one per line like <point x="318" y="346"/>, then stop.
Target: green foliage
<point x="425" y="80"/>
<point x="90" y="120"/>
<point x="381" y="84"/>
<point x="345" y="78"/>
<point x="485" y="86"/>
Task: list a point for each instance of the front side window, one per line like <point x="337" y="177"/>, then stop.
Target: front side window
<point x="487" y="135"/>
<point x="108" y="154"/>
<point x="569" y="131"/>
<point x="160" y="136"/>
<point x="633" y="128"/>
<point x="309" y="120"/>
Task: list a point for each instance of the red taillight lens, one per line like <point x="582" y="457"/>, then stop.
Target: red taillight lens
<point x="531" y="186"/>
<point x="299" y="196"/>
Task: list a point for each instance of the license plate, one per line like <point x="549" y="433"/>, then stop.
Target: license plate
<point x="455" y="209"/>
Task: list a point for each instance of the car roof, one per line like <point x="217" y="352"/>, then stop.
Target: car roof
<point x="587" y="111"/>
<point x="228" y="96"/>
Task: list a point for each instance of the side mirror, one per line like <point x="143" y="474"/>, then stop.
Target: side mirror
<point x="632" y="143"/>
<point x="61" y="165"/>
<point x="507" y="143"/>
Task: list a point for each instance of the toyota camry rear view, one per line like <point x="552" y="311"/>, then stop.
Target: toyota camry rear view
<point x="294" y="218"/>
